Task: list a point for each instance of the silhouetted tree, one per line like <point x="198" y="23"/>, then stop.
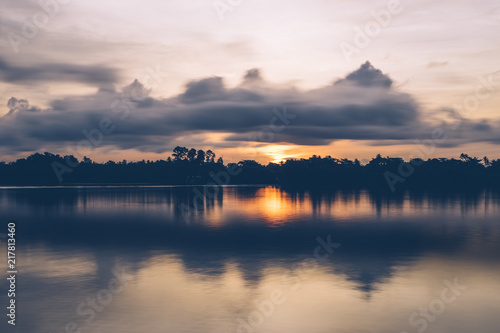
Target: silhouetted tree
<point x="191" y="155"/>
<point x="210" y="156"/>
<point x="180" y="153"/>
<point x="316" y="171"/>
<point x="200" y="156"/>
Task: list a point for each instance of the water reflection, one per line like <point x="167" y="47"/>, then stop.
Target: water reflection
<point x="244" y="242"/>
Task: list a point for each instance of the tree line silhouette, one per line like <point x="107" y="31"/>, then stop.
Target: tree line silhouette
<point x="199" y="167"/>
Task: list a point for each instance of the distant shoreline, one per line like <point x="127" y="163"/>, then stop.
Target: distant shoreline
<point x="316" y="172"/>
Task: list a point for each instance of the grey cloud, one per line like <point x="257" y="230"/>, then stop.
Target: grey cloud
<point x="203" y="90"/>
<point x="213" y="90"/>
<point x="252" y="75"/>
<point x="366" y="107"/>
<point x="19" y="105"/>
<point x="367" y="76"/>
<point x="95" y="75"/>
<point x="136" y="91"/>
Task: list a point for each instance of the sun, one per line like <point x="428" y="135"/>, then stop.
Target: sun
<point x="277" y="153"/>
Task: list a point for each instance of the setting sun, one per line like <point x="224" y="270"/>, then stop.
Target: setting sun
<point x="277" y="153"/>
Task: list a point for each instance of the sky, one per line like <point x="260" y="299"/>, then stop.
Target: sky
<point x="250" y="79"/>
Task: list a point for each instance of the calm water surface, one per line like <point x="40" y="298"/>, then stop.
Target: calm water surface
<point x="253" y="259"/>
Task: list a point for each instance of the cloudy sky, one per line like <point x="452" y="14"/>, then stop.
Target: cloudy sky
<point x="260" y="79"/>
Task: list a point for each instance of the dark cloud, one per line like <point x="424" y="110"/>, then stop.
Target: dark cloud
<point x="19" y="105"/>
<point x="363" y="106"/>
<point x="252" y="75"/>
<point x="367" y="76"/>
<point x="203" y="90"/>
<point x="95" y="75"/>
<point x="213" y="90"/>
<point x="136" y="91"/>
